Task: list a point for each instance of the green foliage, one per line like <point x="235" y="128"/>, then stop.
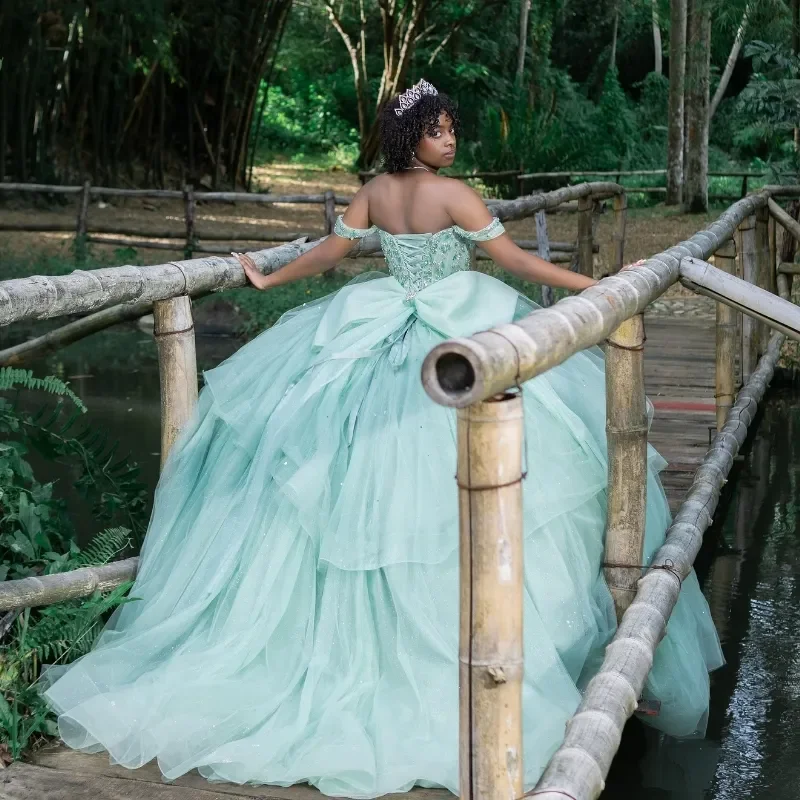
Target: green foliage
<point x="770" y="102"/>
<point x="262" y="309"/>
<point x="49" y="636"/>
<point x="11" y="378"/>
<point x="305" y="122"/>
<point x="35" y="533"/>
<point x="37" y="538"/>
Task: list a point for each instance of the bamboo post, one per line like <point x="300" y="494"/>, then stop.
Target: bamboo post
<point x="763" y="277"/>
<point x="330" y="220"/>
<point x="620" y="222"/>
<point x="585" y="260"/>
<point x="747" y="266"/>
<point x="626" y="431"/>
<point x="490" y="438"/>
<point x="330" y="211"/>
<point x="82" y="223"/>
<point x="177" y="366"/>
<point x="773" y="252"/>
<point x="543" y="251"/>
<point x="189" y="206"/>
<point x="726" y="330"/>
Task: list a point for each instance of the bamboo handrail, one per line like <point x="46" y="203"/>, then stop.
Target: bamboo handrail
<point x="44" y="297"/>
<point x="453" y="370"/>
<point x="175" y="194"/>
<point x="579" y="766"/>
<point x="463" y="371"/>
<point x="755" y="302"/>
<point x="48" y="589"/>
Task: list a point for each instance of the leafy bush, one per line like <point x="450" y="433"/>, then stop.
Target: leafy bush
<point x="37" y="538"/>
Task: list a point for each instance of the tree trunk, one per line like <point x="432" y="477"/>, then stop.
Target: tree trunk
<point x="400" y="30"/>
<point x="796" y="51"/>
<point x="658" y="50"/>
<point x="698" y="64"/>
<point x="730" y="63"/>
<point x="524" y="10"/>
<point x="612" y="59"/>
<point x="677" y="74"/>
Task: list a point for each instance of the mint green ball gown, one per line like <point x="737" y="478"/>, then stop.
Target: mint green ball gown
<point x="297" y="618"/>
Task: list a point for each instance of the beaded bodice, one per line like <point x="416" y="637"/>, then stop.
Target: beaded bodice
<point x="417" y="260"/>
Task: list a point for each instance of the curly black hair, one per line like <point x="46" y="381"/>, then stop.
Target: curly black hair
<point x="401" y="135"/>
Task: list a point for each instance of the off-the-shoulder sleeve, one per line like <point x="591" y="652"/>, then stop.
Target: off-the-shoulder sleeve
<point x="344" y="230"/>
<point x="491" y="231"/>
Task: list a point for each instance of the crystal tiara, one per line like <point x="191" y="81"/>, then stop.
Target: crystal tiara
<point x="413" y="95"/>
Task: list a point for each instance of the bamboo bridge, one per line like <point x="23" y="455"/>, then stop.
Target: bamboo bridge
<point x="706" y="380"/>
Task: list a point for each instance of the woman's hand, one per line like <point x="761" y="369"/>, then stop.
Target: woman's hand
<point x="635" y="264"/>
<point x="251" y="271"/>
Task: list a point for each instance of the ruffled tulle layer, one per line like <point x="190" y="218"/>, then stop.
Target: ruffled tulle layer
<point x="297" y="616"/>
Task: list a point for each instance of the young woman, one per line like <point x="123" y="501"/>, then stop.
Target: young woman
<point x="297" y="612"/>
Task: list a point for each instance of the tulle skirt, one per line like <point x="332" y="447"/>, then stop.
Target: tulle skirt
<point x="296" y="616"/>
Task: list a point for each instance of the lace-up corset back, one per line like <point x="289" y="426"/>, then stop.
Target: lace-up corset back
<point x="417" y="260"/>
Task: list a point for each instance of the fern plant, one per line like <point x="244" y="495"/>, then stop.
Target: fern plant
<point x="37" y="537"/>
<point x="52" y="635"/>
<point x="11" y="378"/>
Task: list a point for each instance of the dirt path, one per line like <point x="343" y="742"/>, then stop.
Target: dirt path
<point x="649" y="230"/>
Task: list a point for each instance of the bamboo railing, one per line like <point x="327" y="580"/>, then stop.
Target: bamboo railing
<point x="101" y="292"/>
<point x="115" y="294"/>
<point x="190" y="240"/>
<point x="467" y="373"/>
<point x="524" y="179"/>
<point x="190" y="237"/>
<point x="475" y="375"/>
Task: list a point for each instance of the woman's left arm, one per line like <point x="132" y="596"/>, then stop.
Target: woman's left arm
<point x="468" y="211"/>
<point x="530" y="267"/>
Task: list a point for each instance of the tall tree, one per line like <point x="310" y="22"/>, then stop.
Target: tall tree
<point x="677" y="74"/>
<point x="612" y="59"/>
<point x="698" y="68"/>
<point x="524" y="11"/>
<point x="100" y="88"/>
<point x="733" y="56"/>
<point x="657" y="49"/>
<point x="401" y="24"/>
<point x="796" y="51"/>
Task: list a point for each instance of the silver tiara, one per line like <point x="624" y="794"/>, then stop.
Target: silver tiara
<point x="413" y="95"/>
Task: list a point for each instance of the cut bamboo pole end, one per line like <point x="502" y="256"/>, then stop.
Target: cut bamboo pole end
<point x="727" y="326"/>
<point x="490" y="437"/>
<point x="177" y="366"/>
<point x="626" y="431"/>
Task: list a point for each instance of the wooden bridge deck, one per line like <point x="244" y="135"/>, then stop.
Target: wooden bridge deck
<point x="679" y="367"/>
<point x="679" y="379"/>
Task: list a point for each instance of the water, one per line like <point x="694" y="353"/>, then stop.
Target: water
<point x="749" y="568"/>
<point x="115" y="373"/>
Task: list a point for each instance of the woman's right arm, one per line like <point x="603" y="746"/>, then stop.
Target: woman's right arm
<point x="324" y="256"/>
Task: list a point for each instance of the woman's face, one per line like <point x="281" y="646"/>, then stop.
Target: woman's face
<point x="438" y="149"/>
